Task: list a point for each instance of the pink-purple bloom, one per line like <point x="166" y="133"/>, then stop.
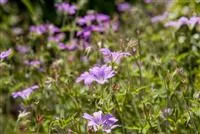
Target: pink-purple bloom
<point x="98" y="28"/>
<point x="159" y="18"/>
<point x="148" y="1"/>
<point x="25" y="93"/>
<point x="191" y="22"/>
<point x="100" y="18"/>
<point x="122" y="7"/>
<point x="33" y="63"/>
<point x="194" y="20"/>
<point x="70" y="46"/>
<point x="39" y="29"/>
<point x="115" y="57"/>
<point x="85" y="33"/>
<point x="97" y="74"/>
<point x="94" y="22"/>
<point x="22" y="49"/>
<point x="86" y="20"/>
<point x="93" y="18"/>
<point x="84" y="43"/>
<point x="2" y="2"/>
<point x="115" y="25"/>
<point x="106" y="26"/>
<point x="56" y="38"/>
<point x="51" y="29"/>
<point x="66" y="8"/>
<point x="44" y="28"/>
<point x="5" y="54"/>
<point x="101" y="122"/>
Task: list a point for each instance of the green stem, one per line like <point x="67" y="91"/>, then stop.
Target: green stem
<point x="187" y="109"/>
<point x="64" y="20"/>
<point x="138" y="62"/>
<point x="118" y="112"/>
<point x="136" y="111"/>
<point x="146" y="116"/>
<point x="73" y="26"/>
<point x="114" y="99"/>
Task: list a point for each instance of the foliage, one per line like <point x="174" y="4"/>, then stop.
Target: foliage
<point x="154" y="90"/>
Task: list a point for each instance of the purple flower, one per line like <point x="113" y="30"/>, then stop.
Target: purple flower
<point x="70" y="46"/>
<point x="194" y="20"/>
<point x="159" y="18"/>
<point x="85" y="33"/>
<point x="82" y="21"/>
<point x="38" y="30"/>
<point x="86" y="77"/>
<point x="44" y="28"/>
<point x="98" y="74"/>
<point x="52" y="28"/>
<point x="2" y="2"/>
<point x="90" y="18"/>
<point x="25" y="93"/>
<point x="184" y="21"/>
<point x="33" y="63"/>
<point x="56" y="38"/>
<point x="86" y="20"/>
<point x="100" y="18"/>
<point x="99" y="121"/>
<point x="106" y="26"/>
<point x="22" y="49"/>
<point x="67" y="8"/>
<point x="122" y="7"/>
<point x="98" y="28"/>
<point x="84" y="43"/>
<point x="173" y="24"/>
<point x="62" y="46"/>
<point x="115" y="25"/>
<point x="5" y="54"/>
<point x="113" y="56"/>
<point x="84" y="59"/>
<point x="148" y="1"/>
<point x="178" y="23"/>
<point x="94" y="22"/>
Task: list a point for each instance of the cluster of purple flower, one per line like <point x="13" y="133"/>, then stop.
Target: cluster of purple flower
<point x="5" y="54"/>
<point x="57" y="38"/>
<point x="66" y="8"/>
<point x="94" y="22"/>
<point x="44" y="28"/>
<point x="191" y="22"/>
<point x="101" y="122"/>
<point x="98" y="22"/>
<point x="89" y="24"/>
<point x="103" y="73"/>
<point x="55" y="35"/>
<point x="70" y="46"/>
